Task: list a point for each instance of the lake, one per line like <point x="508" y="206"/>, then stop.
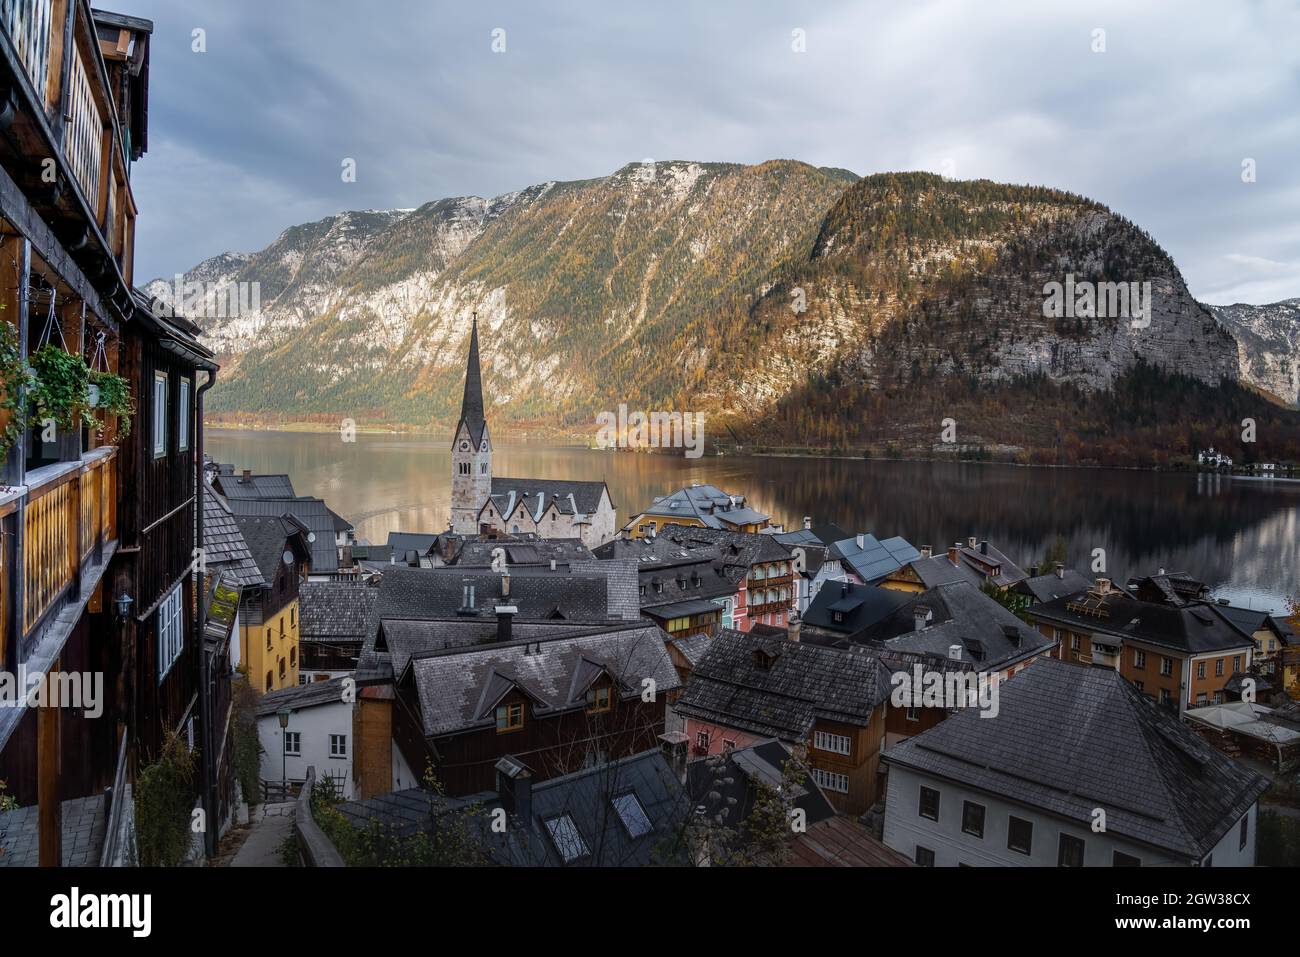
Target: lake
<point x="1241" y="536"/>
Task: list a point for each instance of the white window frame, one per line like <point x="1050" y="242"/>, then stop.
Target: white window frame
<point x="171" y="630"/>
<point x="338" y="745"/>
<point x="831" y="781"/>
<point x="832" y="743"/>
<point x="183" y="416"/>
<point x="296" y="750"/>
<point x="159" y="414"/>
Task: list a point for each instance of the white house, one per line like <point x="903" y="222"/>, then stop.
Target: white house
<point x="317" y="733"/>
<point x="1078" y="769"/>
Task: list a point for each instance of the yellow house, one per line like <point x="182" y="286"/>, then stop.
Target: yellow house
<point x="698" y="506"/>
<point x="269" y="618"/>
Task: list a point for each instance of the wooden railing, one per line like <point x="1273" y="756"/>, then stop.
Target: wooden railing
<point x="29" y="24"/>
<point x="64" y="520"/>
<point x="83" y="140"/>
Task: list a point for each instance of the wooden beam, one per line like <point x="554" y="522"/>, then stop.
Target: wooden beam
<point x="48" y="797"/>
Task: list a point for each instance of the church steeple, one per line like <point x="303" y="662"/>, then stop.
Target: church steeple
<point x="471" y="405"/>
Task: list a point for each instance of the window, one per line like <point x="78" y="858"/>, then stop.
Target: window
<point x="171" y="631"/>
<point x="831" y="781"/>
<point x="292" y="616"/>
<point x="913" y="714"/>
<point x="510" y="717"/>
<point x="702" y="740"/>
<point x="834" y="743"/>
<point x="183" y="416"/>
<point x="1218" y="667"/>
<point x="924" y="856"/>
<point x="1200" y="669"/>
<point x="1074" y="642"/>
<point x="293" y="657"/>
<point x="338" y="745"/>
<point x="282" y="669"/>
<point x="1243" y="833"/>
<point x="1139" y="658"/>
<point x="1236" y="664"/>
<point x="632" y="814"/>
<point x="1166" y="697"/>
<point x="598" y="700"/>
<point x="1020" y="835"/>
<point x="1166" y="666"/>
<point x="929" y="806"/>
<point x="1200" y="698"/>
<point x="293" y="742"/>
<point x="1069" y="852"/>
<point x="270" y="681"/>
<point x="1120" y="859"/>
<point x="972" y="818"/>
<point x="159" y="414"/>
<point x="268" y="639"/>
<point x="728" y="745"/>
<point x="568" y="841"/>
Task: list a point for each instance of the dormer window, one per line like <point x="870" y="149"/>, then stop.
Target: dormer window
<point x="510" y="717"/>
<point x="598" y="700"/>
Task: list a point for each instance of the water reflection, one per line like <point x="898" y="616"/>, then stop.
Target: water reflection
<point x="1241" y="536"/>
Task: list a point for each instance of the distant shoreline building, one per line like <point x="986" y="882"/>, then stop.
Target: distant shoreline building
<point x="482" y="502"/>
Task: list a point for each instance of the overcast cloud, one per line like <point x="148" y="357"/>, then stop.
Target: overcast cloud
<point x="249" y="137"/>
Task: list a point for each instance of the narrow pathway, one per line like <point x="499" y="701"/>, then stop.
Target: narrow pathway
<point x="271" y="825"/>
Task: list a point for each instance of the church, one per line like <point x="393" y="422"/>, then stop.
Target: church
<point x="482" y="502"/>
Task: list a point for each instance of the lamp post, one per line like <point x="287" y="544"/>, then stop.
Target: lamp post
<point x="283" y="715"/>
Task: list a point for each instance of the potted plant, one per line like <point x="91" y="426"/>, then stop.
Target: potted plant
<point x="111" y="394"/>
<point x="14" y="378"/>
<point x="59" y="390"/>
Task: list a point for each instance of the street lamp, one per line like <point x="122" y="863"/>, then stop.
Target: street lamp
<point x="122" y="605"/>
<point x="283" y="715"/>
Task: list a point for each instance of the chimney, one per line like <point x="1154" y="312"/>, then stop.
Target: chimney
<point x="515" y="790"/>
<point x="672" y="744"/>
<point x="954" y="652"/>
<point x="954" y="553"/>
<point x="927" y="551"/>
<point x="807" y="522"/>
<point x="844" y="587"/>
<point x="921" y="615"/>
<point x="505" y="618"/>
<point x="984" y="547"/>
<point x="552" y="564"/>
<point x="1103" y="586"/>
<point x="1060" y="569"/>
<point x="795" y="627"/>
<point x="505" y="585"/>
<point x="1033" y="570"/>
<point x="972" y="541"/>
<point x="247" y="477"/>
<point x="862" y="540"/>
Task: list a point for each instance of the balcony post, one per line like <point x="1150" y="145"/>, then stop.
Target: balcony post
<point x="48" y="799"/>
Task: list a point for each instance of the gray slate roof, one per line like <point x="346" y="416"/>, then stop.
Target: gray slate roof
<point x="1049" y="587"/>
<point x="535" y="551"/>
<point x="224" y="548"/>
<point x="335" y="610"/>
<point x="707" y="503"/>
<point x="990" y="636"/>
<point x="803" y="683"/>
<point x="458" y="688"/>
<point x="296" y="698"/>
<point x="1070" y="738"/>
<point x="314" y="514"/>
<point x="269" y="538"/>
<point x="234" y="486"/>
<point x="537" y="495"/>
<point x="874" y="558"/>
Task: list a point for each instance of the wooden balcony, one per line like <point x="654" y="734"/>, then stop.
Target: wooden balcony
<point x="30" y="24"/>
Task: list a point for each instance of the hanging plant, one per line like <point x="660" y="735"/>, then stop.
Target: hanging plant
<point x="60" y="390"/>
<point x="14" y="378"/>
<point x="111" y="394"/>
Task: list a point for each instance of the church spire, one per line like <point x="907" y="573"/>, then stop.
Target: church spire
<point x="471" y="406"/>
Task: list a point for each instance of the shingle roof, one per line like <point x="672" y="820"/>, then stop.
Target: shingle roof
<point x="536" y="551"/>
<point x="269" y="538"/>
<point x="734" y="548"/>
<point x="537" y="495"/>
<point x="824" y="535"/>
<point x="314" y="515"/>
<point x="1050" y="587"/>
<point x="724" y="786"/>
<point x="1188" y="627"/>
<point x="1070" y="738"/>
<point x="841" y="842"/>
<point x="335" y="611"/>
<point x="585" y="796"/>
<point x="224" y="548"/>
<point x="539" y="594"/>
<point x="707" y="503"/>
<point x="302" y="696"/>
<point x="457" y="688"/>
<point x="858" y="606"/>
<point x="799" y="684"/>
<point x="399" y="639"/>
<point x="234" y="486"/>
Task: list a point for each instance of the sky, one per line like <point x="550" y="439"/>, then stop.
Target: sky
<point x="1183" y="116"/>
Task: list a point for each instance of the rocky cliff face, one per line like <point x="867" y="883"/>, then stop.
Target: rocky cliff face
<point x="1270" y="346"/>
<point x="692" y="286"/>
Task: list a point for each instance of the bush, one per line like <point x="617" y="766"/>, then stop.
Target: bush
<point x="246" y="748"/>
<point x="164" y="800"/>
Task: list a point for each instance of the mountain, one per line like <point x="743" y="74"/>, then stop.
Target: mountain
<point x="1270" y="345"/>
<point x="756" y="294"/>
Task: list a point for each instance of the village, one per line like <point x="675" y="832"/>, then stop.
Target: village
<point x="553" y="678"/>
